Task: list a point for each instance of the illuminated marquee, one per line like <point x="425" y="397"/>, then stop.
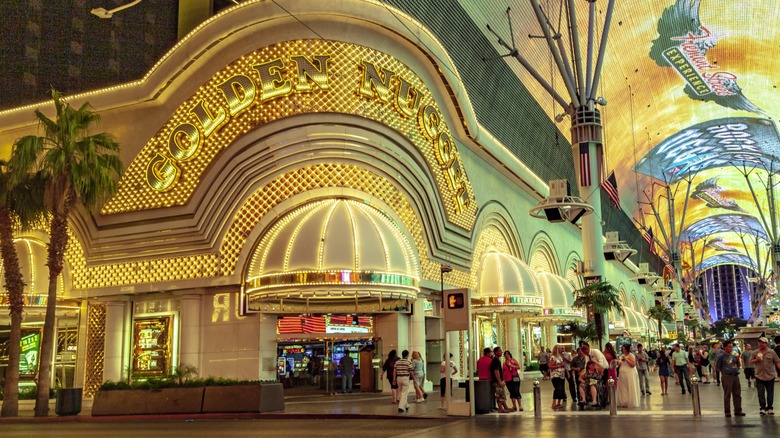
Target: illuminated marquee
<point x="283" y="80"/>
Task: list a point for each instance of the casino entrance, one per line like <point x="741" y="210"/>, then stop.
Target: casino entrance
<point x="310" y="348"/>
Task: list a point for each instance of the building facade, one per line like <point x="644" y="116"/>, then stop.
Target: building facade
<point x="291" y="195"/>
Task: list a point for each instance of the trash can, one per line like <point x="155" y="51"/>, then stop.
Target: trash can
<point x="483" y="400"/>
<point x="68" y="401"/>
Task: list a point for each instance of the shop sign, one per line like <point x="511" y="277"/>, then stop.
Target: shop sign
<point x="286" y="79"/>
<point x="28" y="362"/>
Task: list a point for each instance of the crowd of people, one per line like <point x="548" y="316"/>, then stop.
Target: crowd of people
<point x="586" y="373"/>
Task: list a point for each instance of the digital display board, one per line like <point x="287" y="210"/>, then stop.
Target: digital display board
<point x="692" y="92"/>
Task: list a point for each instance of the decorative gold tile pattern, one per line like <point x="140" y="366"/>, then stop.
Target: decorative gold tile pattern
<point x="246" y="218"/>
<point x="341" y="96"/>
<point x="96" y="337"/>
<point x="490" y="237"/>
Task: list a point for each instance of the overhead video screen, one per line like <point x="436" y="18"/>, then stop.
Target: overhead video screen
<point x="692" y="92"/>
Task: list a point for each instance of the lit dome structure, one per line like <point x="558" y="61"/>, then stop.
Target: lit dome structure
<point x="558" y="296"/>
<point x="507" y="285"/>
<point x="32" y="262"/>
<point x="333" y="256"/>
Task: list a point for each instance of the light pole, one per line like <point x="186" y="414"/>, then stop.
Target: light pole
<point x="581" y="82"/>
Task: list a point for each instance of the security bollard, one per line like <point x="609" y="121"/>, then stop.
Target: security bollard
<point x="612" y="397"/>
<point x="695" y="396"/>
<point x="537" y="399"/>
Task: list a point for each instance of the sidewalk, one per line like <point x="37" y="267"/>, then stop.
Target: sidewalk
<point x="314" y="405"/>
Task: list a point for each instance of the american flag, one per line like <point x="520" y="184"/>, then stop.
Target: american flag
<point x="584" y="164"/>
<point x="609" y="186"/>
<point x="650" y="239"/>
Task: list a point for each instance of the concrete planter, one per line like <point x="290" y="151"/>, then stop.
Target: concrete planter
<point x="244" y="398"/>
<point x="142" y="401"/>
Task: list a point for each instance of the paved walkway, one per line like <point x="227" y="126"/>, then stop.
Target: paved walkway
<point x="306" y="403"/>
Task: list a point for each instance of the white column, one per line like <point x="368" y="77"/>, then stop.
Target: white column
<point x="114" y="350"/>
<point x="268" y="350"/>
<point x="551" y="330"/>
<point x="513" y="338"/>
<point x="453" y="341"/>
<point x="498" y="320"/>
<point x="190" y="330"/>
<point x="81" y="345"/>
<point x="529" y="348"/>
<point x="417" y="328"/>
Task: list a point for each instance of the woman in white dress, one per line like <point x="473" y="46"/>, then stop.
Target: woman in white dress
<point x="628" y="389"/>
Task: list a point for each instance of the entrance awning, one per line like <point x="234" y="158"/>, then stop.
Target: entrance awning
<point x="507" y="285"/>
<point x="333" y="256"/>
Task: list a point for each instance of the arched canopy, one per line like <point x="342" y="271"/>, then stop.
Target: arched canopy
<point x="558" y="299"/>
<point x="32" y="263"/>
<point x="333" y="255"/>
<point x="507" y="285"/>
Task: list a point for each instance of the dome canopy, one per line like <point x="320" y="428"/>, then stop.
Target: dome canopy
<point x="558" y="296"/>
<point x="32" y="263"/>
<point x="507" y="284"/>
<point x="631" y="320"/>
<point x="334" y="255"/>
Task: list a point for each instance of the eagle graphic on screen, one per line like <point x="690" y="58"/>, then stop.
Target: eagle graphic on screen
<point x="682" y="44"/>
<point x="709" y="192"/>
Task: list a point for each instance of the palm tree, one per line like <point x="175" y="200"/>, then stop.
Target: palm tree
<point x="585" y="332"/>
<point x="78" y="168"/>
<point x="20" y="206"/>
<point x="693" y="325"/>
<point x="661" y="314"/>
<point x="598" y="299"/>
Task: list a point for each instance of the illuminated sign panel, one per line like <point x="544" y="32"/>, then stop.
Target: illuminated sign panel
<point x="713" y="144"/>
<point x="283" y="80"/>
<point x="683" y="43"/>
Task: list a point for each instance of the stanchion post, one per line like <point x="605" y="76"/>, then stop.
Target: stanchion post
<point x="537" y="399"/>
<point x="612" y="397"/>
<point x="695" y="396"/>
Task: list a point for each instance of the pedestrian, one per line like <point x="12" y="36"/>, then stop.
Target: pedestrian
<point x="705" y="363"/>
<point x="558" y="377"/>
<point x="483" y="364"/>
<point x="642" y="362"/>
<point x="347" y="368"/>
<point x="570" y="377"/>
<point x="577" y="365"/>
<point x="663" y="370"/>
<point x="446" y="368"/>
<point x="499" y="385"/>
<point x="750" y="369"/>
<point x="589" y="383"/>
<point x="680" y="362"/>
<point x="717" y="350"/>
<point x="692" y="361"/>
<point x="403" y="371"/>
<point x="418" y="364"/>
<point x="483" y="372"/>
<point x="387" y="368"/>
<point x="728" y="366"/>
<point x="766" y="363"/>
<point x="512" y="379"/>
<point x="611" y="356"/>
<point x="543" y="358"/>
<point x="628" y="391"/>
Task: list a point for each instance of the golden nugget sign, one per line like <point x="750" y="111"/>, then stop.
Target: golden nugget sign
<point x="284" y="80"/>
